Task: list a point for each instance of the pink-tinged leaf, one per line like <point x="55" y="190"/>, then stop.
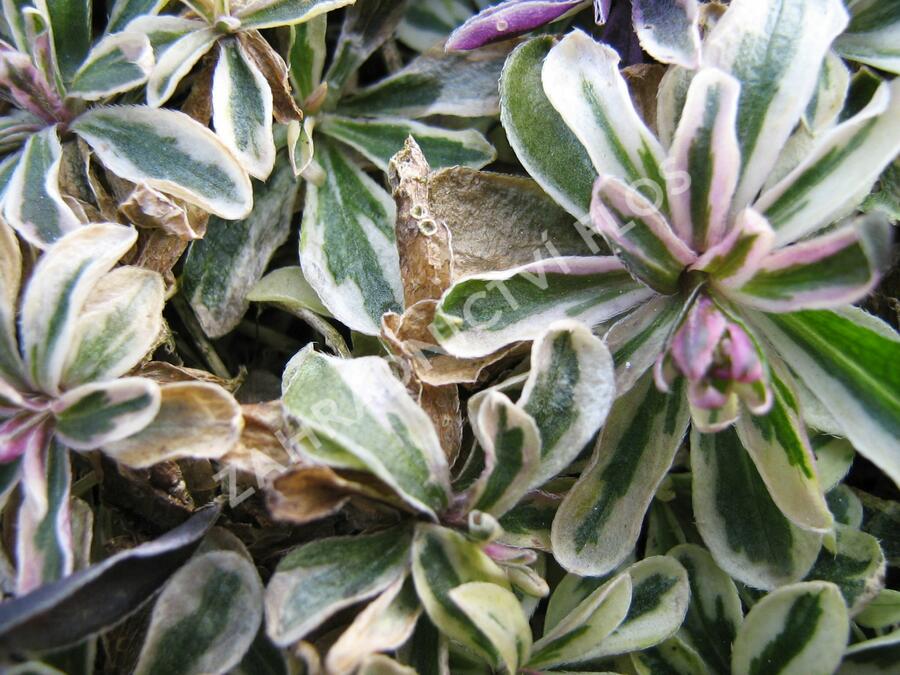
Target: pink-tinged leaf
<point x="694" y="344"/>
<point x="736" y="258"/>
<point x="20" y="433"/>
<point x="712" y="420"/>
<point x="639" y="234"/>
<point x="828" y="271"/>
<point x="705" y="147"/>
<point x="705" y="395"/>
<point x="44" y="540"/>
<point x="28" y="87"/>
<point x="511" y="18"/>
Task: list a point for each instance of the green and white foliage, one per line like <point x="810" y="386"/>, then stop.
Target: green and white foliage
<point x="732" y="256"/>
<point x="873" y="35"/>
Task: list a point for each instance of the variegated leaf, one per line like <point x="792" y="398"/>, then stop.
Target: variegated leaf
<point x="506" y="19"/>
<point x="669" y="31"/>
<point x="123" y="11"/>
<point x="169" y="151"/>
<point x="639" y="235"/>
<point x="306" y="55"/>
<point x="845" y="506"/>
<point x="705" y="147"/>
<point x="673" y="655"/>
<point x="715" y="613"/>
<point x="830" y="95"/>
<point x="877" y="656"/>
<point x="442" y="561"/>
<point x="221" y="269"/>
<point x="787" y="40"/>
<point x="174" y="58"/>
<point x="384" y="625"/>
<point x="744" y="530"/>
<point x="59" y="287"/>
<point x="856" y="567"/>
<point x="205" y="618"/>
<point x="11" y="367"/>
<point x="585" y="626"/>
<point x="511" y="443"/>
<point x="118" y="324"/>
<point x="195" y="420"/>
<point x="43" y="537"/>
<point x="779" y="446"/>
<point x="118" y="63"/>
<point x="736" y="258"/>
<point x="435" y="83"/>
<point x="481" y="313"/>
<point x="380" y="138"/>
<point x="840" y="355"/>
<point x="834" y="458"/>
<point x="801" y="628"/>
<point x="70" y="24"/>
<point x="568" y="393"/>
<point x="93" y="415"/>
<point x="598" y="522"/>
<point x="315" y="580"/>
<point x="33" y="204"/>
<point x="563" y="168"/>
<point x="347" y="244"/>
<point x="640" y="337"/>
<point x="527" y="525"/>
<point x="242" y="109"/>
<point x="365" y="410"/>
<point x="581" y="79"/>
<point x="498" y="616"/>
<point x="882" y="611"/>
<point x="840" y="168"/>
<point x="660" y="594"/>
<point x="873" y="35"/>
<point x="272" y="13"/>
<point x="286" y="287"/>
<point x="428" y="22"/>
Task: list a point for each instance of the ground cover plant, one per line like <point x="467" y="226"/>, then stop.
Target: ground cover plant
<point x="449" y="336"/>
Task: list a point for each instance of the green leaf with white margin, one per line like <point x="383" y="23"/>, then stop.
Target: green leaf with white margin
<point x="834" y="458"/>
<point x="43" y="535"/>
<point x="242" y="109"/>
<point x="744" y="530"/>
<point x="547" y="148"/>
<point x="878" y="656"/>
<point x="205" y="619"/>
<point x="59" y="287"/>
<point x="660" y="594"/>
<point x="384" y="625"/>
<point x="177" y="58"/>
<point x="569" y="391"/>
<point x="171" y="152"/>
<point x="527" y="524"/>
<point x="801" y="628"/>
<point x="428" y="22"/>
<point x="637" y="339"/>
<point x="593" y="619"/>
<point x="581" y="79"/>
<point x="600" y="519"/>
<point x="873" y="35"/>
<point x="775" y="48"/>
<point x="842" y="166"/>
<point x="497" y="614"/>
<point x="669" y="31"/>
<point x="840" y="355"/>
<point x="347" y="244"/>
<point x="778" y="444"/>
<point x="882" y="612"/>
<point x="33" y="204"/>
<point x="830" y="95"/>
<point x="462" y="84"/>
<point x="442" y="561"/>
<point x="286" y="287"/>
<point x="11" y="367"/>
<point x="845" y="506"/>
<point x="856" y="566"/>
<point x="673" y="656"/>
<point x="118" y="324"/>
<point x="715" y="613"/>
<point x="70" y="22"/>
<point x="274" y="13"/>
<point x="362" y="407"/>
<point x="198" y="420"/>
<point x="96" y="414"/>
<point x="512" y="445"/>
<point x="306" y="55"/>
<point x="482" y="313"/>
<point x="118" y="63"/>
<point x="316" y="580"/>
<point x="221" y="269"/>
<point x="379" y="139"/>
<point x="123" y="11"/>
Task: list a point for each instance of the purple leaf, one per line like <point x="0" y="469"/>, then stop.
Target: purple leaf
<point x="511" y="18"/>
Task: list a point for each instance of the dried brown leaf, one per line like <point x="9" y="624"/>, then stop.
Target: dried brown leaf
<point x="643" y="82"/>
<point x="275" y="70"/>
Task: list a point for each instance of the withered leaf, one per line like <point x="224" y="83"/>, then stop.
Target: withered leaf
<point x="275" y="70"/>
